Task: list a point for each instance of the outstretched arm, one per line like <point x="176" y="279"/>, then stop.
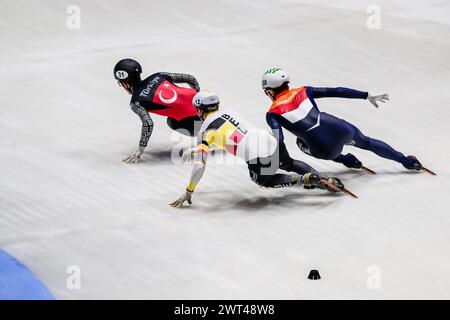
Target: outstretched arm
<point x="183" y="78"/>
<point x="200" y="158"/>
<point x="147" y="123"/>
<point x="348" y="93"/>
<point x="146" y="132"/>
<point x="339" y="92"/>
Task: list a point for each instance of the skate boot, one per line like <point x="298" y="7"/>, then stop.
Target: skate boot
<point x="311" y="181"/>
<point x="411" y="163"/>
<point x="350" y="161"/>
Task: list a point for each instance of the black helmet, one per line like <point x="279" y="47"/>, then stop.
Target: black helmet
<point x="128" y="71"/>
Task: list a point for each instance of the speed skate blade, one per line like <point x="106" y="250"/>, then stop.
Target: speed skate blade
<point x="332" y="186"/>
<point x="368" y="170"/>
<point x="350" y="193"/>
<point x="429" y="171"/>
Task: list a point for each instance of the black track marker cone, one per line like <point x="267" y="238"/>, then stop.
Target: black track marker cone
<point x="314" y="275"/>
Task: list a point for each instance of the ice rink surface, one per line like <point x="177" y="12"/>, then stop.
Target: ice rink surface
<point x="67" y="200"/>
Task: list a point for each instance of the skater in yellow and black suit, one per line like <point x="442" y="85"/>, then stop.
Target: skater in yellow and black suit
<point x="228" y="131"/>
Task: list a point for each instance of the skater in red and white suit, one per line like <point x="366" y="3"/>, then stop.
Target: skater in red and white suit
<point x="160" y="95"/>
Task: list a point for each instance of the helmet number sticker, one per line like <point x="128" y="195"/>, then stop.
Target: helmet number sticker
<point x="122" y="74"/>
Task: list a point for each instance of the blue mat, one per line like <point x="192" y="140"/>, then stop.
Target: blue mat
<point x="17" y="282"/>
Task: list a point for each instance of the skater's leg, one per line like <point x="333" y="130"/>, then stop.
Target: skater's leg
<point x="293" y="165"/>
<point x="187" y="126"/>
<point x="312" y="181"/>
<point x="270" y="179"/>
<point x="263" y="173"/>
<point x="301" y="167"/>
<point x="280" y="180"/>
<point x="378" y="147"/>
<point x="384" y="150"/>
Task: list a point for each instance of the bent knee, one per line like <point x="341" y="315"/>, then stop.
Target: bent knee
<point x="362" y="142"/>
<point x="286" y="165"/>
<point x="258" y="178"/>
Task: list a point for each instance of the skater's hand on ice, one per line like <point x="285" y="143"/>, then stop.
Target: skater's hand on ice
<point x="186" y="196"/>
<point x="135" y="156"/>
<point x="378" y="98"/>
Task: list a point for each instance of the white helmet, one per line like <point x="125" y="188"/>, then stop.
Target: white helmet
<point x="274" y="78"/>
<point x="206" y="100"/>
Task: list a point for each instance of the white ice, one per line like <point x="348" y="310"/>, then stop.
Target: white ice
<point x="66" y="199"/>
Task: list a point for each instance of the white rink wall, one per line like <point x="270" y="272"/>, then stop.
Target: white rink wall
<point x="67" y="200"/>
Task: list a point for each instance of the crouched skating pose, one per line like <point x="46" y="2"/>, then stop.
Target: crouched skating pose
<point x="227" y="130"/>
<point x="158" y="94"/>
<point x="320" y="134"/>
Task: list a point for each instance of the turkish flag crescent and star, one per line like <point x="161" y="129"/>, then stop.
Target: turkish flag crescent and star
<point x="177" y="99"/>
